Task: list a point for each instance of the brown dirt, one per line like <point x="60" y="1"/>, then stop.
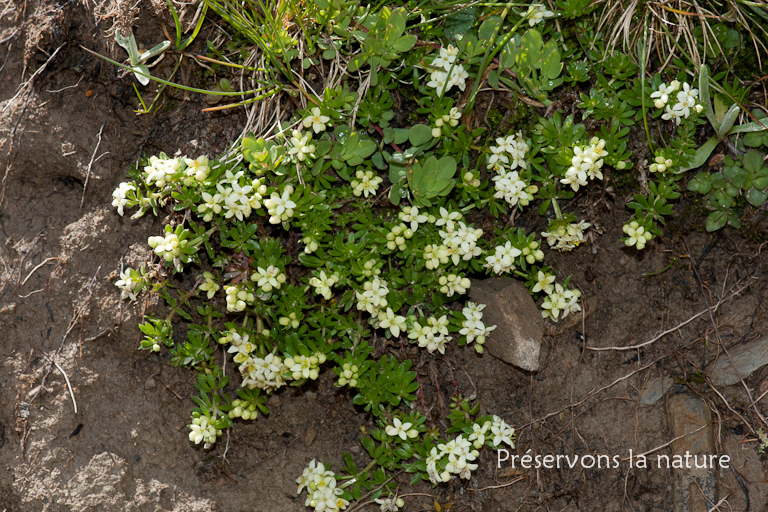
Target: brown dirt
<point x="126" y="448"/>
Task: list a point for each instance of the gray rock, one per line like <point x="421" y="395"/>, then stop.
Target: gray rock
<point x="747" y="358"/>
<point x="654" y="389"/>
<point x="518" y="321"/>
<point x="694" y="487"/>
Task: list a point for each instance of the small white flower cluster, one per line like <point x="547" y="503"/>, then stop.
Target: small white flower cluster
<point x="660" y="164"/>
<point x="510" y="187"/>
<point x="120" y="196"/>
<point x="305" y="367"/>
<point x="509" y="154"/>
<point x="310" y="244"/>
<point x="395" y="323"/>
<point x="461" y="241"/>
<point x="451" y="119"/>
<point x="316" y="120"/>
<point x="560" y="300"/>
<point x="280" y="208"/>
<point x="301" y="146"/>
<point x="367" y="183"/>
<point x="447" y="219"/>
<point x="322" y="493"/>
<point x="460" y="453"/>
<point x="268" y="279"/>
<point x="240" y="345"/>
<point x="411" y="216"/>
<point x="433" y="336"/>
<point x="322" y="283"/>
<point x="397" y="236"/>
<point x="448" y="72"/>
<point x="401" y="430"/>
<point x="197" y="170"/>
<point x="203" y="429"/>
<point x="161" y="169"/>
<point x="453" y="283"/>
<point x="209" y="285"/>
<point x="566" y="237"/>
<point x="637" y="235"/>
<point x="263" y="373"/>
<point x="167" y="247"/>
<point x="242" y="409"/>
<point x="532" y="253"/>
<point x="290" y="320"/>
<point x="435" y="255"/>
<point x="686" y="100"/>
<point x="233" y="198"/>
<point x="503" y="258"/>
<point x="536" y="14"/>
<point x="238" y="298"/>
<point x="372" y="267"/>
<point x="374" y="297"/>
<point x="349" y="375"/>
<point x="390" y="504"/>
<point x="129" y="280"/>
<point x="473" y="327"/>
<point x="585" y="164"/>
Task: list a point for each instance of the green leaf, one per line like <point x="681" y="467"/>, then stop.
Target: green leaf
<point x="357" y="62"/>
<point x="460" y="22"/>
<point x="488" y="28"/>
<point x="405" y="43"/>
<point x="753" y="161"/>
<point x="528" y="53"/>
<point x="728" y="120"/>
<point x="364" y="148"/>
<point x="756" y="197"/>
<point x="419" y="134"/>
<point x="716" y="220"/>
<point x="550" y="62"/>
<point x="750" y="127"/>
<point x="702" y="154"/>
<point x="704" y="97"/>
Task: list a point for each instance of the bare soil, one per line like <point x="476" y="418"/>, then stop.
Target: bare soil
<point x="68" y="133"/>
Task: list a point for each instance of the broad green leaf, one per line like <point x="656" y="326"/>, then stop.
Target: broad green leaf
<point x="753" y="161"/>
<point x="702" y="154"/>
<point x="447" y="166"/>
<point x="405" y="43"/>
<point x="155" y="50"/>
<point x="460" y="22"/>
<point x="488" y="28"/>
<point x="419" y="134"/>
<point x="550" y="61"/>
<point x="364" y="148"/>
<point x="716" y="220"/>
<point x="141" y="76"/>
<point x="528" y="53"/>
<point x="704" y="97"/>
<point x="357" y="62"/>
<point x="727" y="123"/>
<point x="750" y="127"/>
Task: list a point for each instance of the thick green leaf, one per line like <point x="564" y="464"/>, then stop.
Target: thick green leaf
<point x="528" y="53"/>
<point x="405" y="43"/>
<point x="728" y="120"/>
<point x="488" y="28"/>
<point x="753" y="161"/>
<point x="750" y="127"/>
<point x="716" y="220"/>
<point x="357" y="62"/>
<point x="460" y="22"/>
<point x="702" y="154"/>
<point x="419" y="134"/>
<point x="550" y="62"/>
<point x="704" y="97"/>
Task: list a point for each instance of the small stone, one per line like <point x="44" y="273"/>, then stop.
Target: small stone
<point x="747" y="358"/>
<point x="654" y="389"/>
<point x="8" y="309"/>
<point x="149" y="383"/>
<point x="518" y="321"/>
<point x="694" y="487"/>
<point x="309" y="436"/>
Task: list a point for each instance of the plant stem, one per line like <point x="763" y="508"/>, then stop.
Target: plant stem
<point x="556" y="207"/>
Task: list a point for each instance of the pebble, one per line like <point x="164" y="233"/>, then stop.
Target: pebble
<point x="694" y="488"/>
<point x="747" y="358"/>
<point x="518" y="321"/>
<point x="654" y="389"/>
<point x="150" y="383"/>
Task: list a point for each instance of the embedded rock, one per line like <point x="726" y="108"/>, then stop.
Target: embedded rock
<point x="746" y="358"/>
<point x="518" y="321"/>
<point x="690" y="421"/>
<point x="654" y="389"/>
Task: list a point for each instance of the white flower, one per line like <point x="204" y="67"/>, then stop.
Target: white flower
<point x="453" y="283"/>
<point x="268" y="278"/>
<point x="502" y="432"/>
<point x="119" y="199"/>
<point x="210" y="285"/>
<point x="197" y="169"/>
<point x="366" y="183"/>
<point x="316" y="120"/>
<point x="544" y="283"/>
<point x="636" y="235"/>
<point x="410" y="215"/>
<point x="559" y="301"/>
<point x="503" y="259"/>
<point x="448" y="219"/>
<point x="536" y="14"/>
<point x="280" y="207"/>
<point x="448" y="72"/>
<point x="301" y="146"/>
<point x="395" y="323"/>
<point x="127" y="284"/>
<point x="662" y="94"/>
<point x="403" y="430"/>
<point x="323" y="284"/>
<point x="566" y="237"/>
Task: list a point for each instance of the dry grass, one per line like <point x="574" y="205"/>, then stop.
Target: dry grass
<point x="671" y="24"/>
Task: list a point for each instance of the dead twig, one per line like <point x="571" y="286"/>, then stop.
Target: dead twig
<point x="93" y="155"/>
<point x="37" y="268"/>
<point x="69" y="385"/>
